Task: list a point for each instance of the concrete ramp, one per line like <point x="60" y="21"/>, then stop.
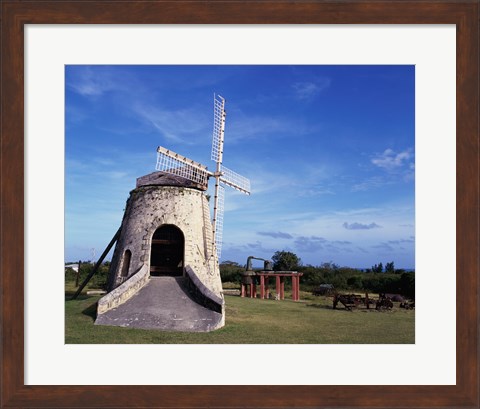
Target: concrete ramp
<point x="164" y="303"/>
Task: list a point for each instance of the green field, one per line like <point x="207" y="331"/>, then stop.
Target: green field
<point x="309" y="321"/>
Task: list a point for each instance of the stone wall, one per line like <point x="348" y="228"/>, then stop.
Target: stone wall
<point x="150" y="207"/>
<point x="202" y="294"/>
<point x="124" y="291"/>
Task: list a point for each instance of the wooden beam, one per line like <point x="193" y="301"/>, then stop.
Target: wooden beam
<point x="99" y="262"/>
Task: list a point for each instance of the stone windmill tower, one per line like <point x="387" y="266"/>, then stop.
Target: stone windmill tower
<point x="164" y="272"/>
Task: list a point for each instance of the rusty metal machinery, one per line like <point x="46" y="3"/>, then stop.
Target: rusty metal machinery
<point x="267" y="264"/>
<point x="249" y="275"/>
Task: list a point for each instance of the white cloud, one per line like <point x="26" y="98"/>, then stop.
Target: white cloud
<point x="310" y="89"/>
<point x="390" y="160"/>
<point x="400" y="167"/>
<point x="183" y="125"/>
<point x="373" y="182"/>
<point x="270" y="182"/>
<point x="240" y="127"/>
<point x="90" y="83"/>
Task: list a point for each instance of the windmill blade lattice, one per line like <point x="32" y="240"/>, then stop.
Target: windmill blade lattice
<point x="220" y="204"/>
<point x="175" y="164"/>
<point x="233" y="179"/>
<point x="218" y="128"/>
<point x="222" y="174"/>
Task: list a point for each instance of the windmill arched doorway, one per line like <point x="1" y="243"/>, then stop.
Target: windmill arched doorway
<point x="167" y="252"/>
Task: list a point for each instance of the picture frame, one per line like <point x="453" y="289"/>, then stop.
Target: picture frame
<point x="15" y="15"/>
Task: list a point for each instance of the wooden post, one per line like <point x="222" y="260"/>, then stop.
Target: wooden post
<point x="262" y="286"/>
<point x="242" y="290"/>
<point x="294" y="288"/>
<point x="282" y="287"/>
<point x="298" y="287"/>
<point x="367" y="301"/>
<point x="277" y="287"/>
<point x="266" y="287"/>
<point x="78" y="273"/>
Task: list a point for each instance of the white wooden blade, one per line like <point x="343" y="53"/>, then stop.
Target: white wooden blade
<point x="220" y="206"/>
<point x="218" y="128"/>
<point x="233" y="179"/>
<point x="175" y="164"/>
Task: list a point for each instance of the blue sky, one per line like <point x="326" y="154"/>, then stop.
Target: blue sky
<point x="329" y="151"/>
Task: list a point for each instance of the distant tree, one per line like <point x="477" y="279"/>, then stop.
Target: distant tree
<point x="285" y="260"/>
<point x="312" y="275"/>
<point x="407" y="284"/>
<point x="377" y="268"/>
<point x="390" y="267"/>
<point x="355" y="282"/>
<point x="230" y="263"/>
<point x="230" y="271"/>
<point x="329" y="265"/>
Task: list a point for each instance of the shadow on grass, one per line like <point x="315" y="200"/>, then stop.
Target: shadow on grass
<point x="91" y="311"/>
<point x="323" y="307"/>
<point x="328" y="307"/>
<point x="81" y="297"/>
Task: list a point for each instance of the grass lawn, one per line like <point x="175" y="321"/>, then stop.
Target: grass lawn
<point x="255" y="321"/>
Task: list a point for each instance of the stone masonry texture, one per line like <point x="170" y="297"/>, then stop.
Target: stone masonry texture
<point x="151" y="206"/>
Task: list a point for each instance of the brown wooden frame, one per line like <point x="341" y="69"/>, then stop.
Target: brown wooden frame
<point x="15" y="14"/>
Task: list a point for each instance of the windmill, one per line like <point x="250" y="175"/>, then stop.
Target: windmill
<point x="175" y="164"/>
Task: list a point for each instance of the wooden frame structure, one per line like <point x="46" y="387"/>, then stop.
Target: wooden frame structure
<point x="250" y="290"/>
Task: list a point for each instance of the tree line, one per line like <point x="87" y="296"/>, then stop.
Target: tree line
<point x="377" y="279"/>
<point x="99" y="280"/>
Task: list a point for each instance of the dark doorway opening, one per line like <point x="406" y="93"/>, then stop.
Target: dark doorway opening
<point x="166" y="257"/>
<point x="126" y="263"/>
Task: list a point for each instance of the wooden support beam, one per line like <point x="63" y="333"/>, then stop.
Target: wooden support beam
<point x="297" y="288"/>
<point x="294" y="288"/>
<point x="98" y="264"/>
<point x="78" y="273"/>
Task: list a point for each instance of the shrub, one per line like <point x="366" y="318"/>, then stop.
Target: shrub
<point x="231" y="272"/>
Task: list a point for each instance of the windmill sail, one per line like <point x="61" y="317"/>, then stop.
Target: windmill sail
<point x="175" y="164"/>
<point x="219" y="210"/>
<point x="222" y="173"/>
<point x="218" y="128"/>
<point x="233" y="179"/>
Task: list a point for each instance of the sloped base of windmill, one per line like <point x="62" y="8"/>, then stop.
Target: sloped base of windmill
<point x="164" y="303"/>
